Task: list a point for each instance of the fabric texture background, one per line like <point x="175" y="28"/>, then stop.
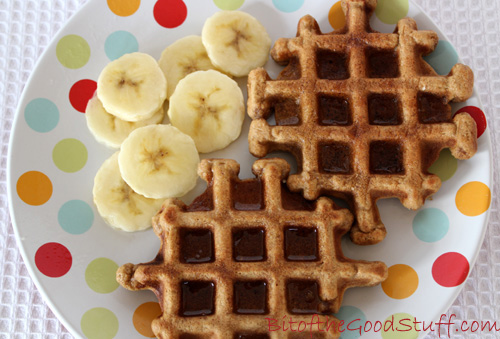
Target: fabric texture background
<point x="27" y="27"/>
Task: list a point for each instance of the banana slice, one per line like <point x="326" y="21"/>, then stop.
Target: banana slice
<point x="159" y="161"/>
<point x="209" y="107"/>
<point x="132" y="87"/>
<point x="184" y="56"/>
<point x="117" y="203"/>
<point x="110" y="130"/>
<point x="236" y="42"/>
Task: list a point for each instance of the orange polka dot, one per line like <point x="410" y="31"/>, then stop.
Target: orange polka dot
<point x="336" y="16"/>
<point x="473" y="198"/>
<point x="34" y="188"/>
<point x="144" y="315"/>
<point x="401" y="282"/>
<point x="124" y="7"/>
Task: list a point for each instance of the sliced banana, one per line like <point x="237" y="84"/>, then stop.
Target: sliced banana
<point x="236" y="42"/>
<point x="209" y="107"/>
<point x="117" y="203"/>
<point x="159" y="161"/>
<point x="110" y="130"/>
<point x="132" y="87"/>
<point x="186" y="55"/>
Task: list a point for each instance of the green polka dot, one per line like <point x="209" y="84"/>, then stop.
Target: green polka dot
<point x="229" y="5"/>
<point x="70" y="155"/>
<point x="400" y="326"/>
<point x="390" y="11"/>
<point x="73" y="51"/>
<point x="99" y="323"/>
<point x="100" y="275"/>
<point x="445" y="166"/>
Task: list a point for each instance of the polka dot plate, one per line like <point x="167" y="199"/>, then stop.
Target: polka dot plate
<point x="72" y="255"/>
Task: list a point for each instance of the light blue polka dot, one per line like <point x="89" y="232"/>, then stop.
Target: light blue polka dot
<point x="288" y="5"/>
<point x="443" y="58"/>
<point x="75" y="217"/>
<point x="120" y="43"/>
<point x="430" y="224"/>
<point x="41" y="115"/>
<point x="354" y="321"/>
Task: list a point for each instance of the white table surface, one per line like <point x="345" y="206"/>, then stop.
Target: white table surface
<point x="27" y="27"/>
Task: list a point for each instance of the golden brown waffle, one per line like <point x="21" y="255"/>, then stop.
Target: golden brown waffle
<point x="244" y="251"/>
<point x="362" y="112"/>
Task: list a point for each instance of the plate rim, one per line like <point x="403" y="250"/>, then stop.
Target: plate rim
<point x="29" y="263"/>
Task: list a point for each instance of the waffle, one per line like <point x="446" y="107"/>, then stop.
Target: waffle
<point x="364" y="115"/>
<point x="244" y="251"/>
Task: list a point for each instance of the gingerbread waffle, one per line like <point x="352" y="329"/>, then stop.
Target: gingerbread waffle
<point x="364" y="115"/>
<point x="244" y="251"/>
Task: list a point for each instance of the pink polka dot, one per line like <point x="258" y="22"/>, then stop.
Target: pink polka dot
<point x="450" y="269"/>
<point x="81" y="92"/>
<point x="170" y="13"/>
<point x="53" y="259"/>
<point x="478" y="115"/>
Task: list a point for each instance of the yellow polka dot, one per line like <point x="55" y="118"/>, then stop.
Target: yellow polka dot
<point x="124" y="7"/>
<point x="336" y="16"/>
<point x="144" y="315"/>
<point x="473" y="198"/>
<point x="34" y="188"/>
<point x="401" y="282"/>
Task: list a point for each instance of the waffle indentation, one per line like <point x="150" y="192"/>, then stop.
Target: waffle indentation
<point x="250" y="297"/>
<point x="249" y="244"/>
<point x="286" y="111"/>
<point x="334" y="111"/>
<point x="382" y="63"/>
<point x="384" y="109"/>
<point x="433" y="109"/>
<point x="386" y="157"/>
<point x="332" y="65"/>
<point x="247" y="195"/>
<point x="302" y="297"/>
<point x="197" y="245"/>
<point x="301" y="243"/>
<point x="334" y="158"/>
<point x="197" y="298"/>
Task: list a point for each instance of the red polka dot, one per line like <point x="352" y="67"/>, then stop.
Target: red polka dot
<point x="450" y="269"/>
<point x="170" y="13"/>
<point x="478" y="115"/>
<point x="53" y="259"/>
<point x="80" y="93"/>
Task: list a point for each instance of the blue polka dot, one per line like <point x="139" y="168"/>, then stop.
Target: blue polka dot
<point x="443" y="58"/>
<point x="120" y="43"/>
<point x="288" y="5"/>
<point x="41" y="115"/>
<point x="354" y="318"/>
<point x="430" y="224"/>
<point x="75" y="217"/>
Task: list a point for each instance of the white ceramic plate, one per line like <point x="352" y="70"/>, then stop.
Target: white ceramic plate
<point x="71" y="254"/>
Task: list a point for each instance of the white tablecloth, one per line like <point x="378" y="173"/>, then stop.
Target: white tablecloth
<point x="26" y="28"/>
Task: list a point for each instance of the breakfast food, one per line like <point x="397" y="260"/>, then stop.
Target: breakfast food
<point x="244" y="251"/>
<point x="362" y="112"/>
<point x="132" y="87"/>
<point x="236" y="42"/>
<point x="159" y="161"/>
<point x="110" y="130"/>
<point x="184" y="56"/>
<point x="209" y="107"/>
<point x="117" y="203"/>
